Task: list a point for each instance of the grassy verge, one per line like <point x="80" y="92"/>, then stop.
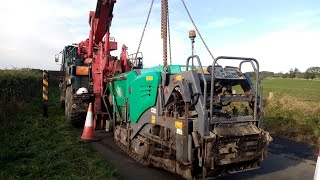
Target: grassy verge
<point x="288" y="117"/>
<point x="293" y="111"/>
<point x="32" y="147"/>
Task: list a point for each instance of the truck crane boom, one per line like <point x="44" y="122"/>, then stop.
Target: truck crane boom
<point x="103" y="65"/>
<point x="102" y="17"/>
<point x="99" y="22"/>
<point x="93" y="55"/>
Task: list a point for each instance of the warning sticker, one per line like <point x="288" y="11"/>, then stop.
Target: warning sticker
<point x="149" y="78"/>
<point x="154" y="110"/>
<point x="178" y="124"/>
<point x="153" y="119"/>
<point x="179" y="131"/>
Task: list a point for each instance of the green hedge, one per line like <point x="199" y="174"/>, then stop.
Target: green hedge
<point x="16" y="88"/>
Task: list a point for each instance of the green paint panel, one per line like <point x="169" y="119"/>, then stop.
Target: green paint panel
<point x="173" y="69"/>
<point x="143" y="93"/>
<point x="139" y="90"/>
<point x="119" y="89"/>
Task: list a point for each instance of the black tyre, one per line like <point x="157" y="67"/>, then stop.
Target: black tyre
<point x="68" y="104"/>
<point x="73" y="117"/>
<point x="62" y="104"/>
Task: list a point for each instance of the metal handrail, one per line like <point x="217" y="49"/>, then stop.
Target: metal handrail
<point x="134" y="58"/>
<point x="246" y="61"/>
<point x="202" y="74"/>
<point x="213" y="79"/>
<point x="260" y="90"/>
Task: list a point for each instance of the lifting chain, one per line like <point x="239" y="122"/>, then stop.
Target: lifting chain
<point x="165" y="31"/>
<point x="169" y="38"/>
<point x="186" y="8"/>
<point x="164" y="28"/>
<point x="144" y="29"/>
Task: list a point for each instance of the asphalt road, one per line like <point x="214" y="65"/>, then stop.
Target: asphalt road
<point x="287" y="160"/>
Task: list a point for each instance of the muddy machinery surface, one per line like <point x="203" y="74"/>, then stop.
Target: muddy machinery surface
<point x="189" y="121"/>
<point x="198" y="122"/>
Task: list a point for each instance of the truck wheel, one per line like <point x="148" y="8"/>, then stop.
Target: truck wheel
<point x="68" y="104"/>
<point x="62" y="104"/>
<point x="72" y="117"/>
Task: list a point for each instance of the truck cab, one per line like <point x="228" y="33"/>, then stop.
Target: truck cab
<point x="74" y="85"/>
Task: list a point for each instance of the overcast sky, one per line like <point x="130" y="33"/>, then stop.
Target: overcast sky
<point x="280" y="34"/>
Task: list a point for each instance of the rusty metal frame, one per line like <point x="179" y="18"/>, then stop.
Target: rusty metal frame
<point x="256" y="84"/>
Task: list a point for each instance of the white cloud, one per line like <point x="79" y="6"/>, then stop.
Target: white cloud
<point x="280" y="51"/>
<point x="128" y="32"/>
<point x="307" y="13"/>
<point x="152" y="43"/>
<point x="225" y="22"/>
<point x="294" y="44"/>
<point x="33" y="31"/>
<point x="36" y="30"/>
<point x="32" y="35"/>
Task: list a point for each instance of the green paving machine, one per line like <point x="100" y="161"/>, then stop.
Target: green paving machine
<point x="195" y="121"/>
<point x="191" y="121"/>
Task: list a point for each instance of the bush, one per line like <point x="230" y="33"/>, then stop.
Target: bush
<point x="16" y="88"/>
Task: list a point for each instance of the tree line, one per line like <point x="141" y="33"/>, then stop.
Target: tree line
<point x="310" y="73"/>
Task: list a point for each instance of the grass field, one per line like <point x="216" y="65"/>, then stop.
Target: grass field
<point x="32" y="147"/>
<point x="301" y="89"/>
<point x="294" y="110"/>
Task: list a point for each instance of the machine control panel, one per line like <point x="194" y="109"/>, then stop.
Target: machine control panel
<point x="228" y="73"/>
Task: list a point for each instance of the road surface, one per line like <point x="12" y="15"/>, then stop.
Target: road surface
<point x="287" y="160"/>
